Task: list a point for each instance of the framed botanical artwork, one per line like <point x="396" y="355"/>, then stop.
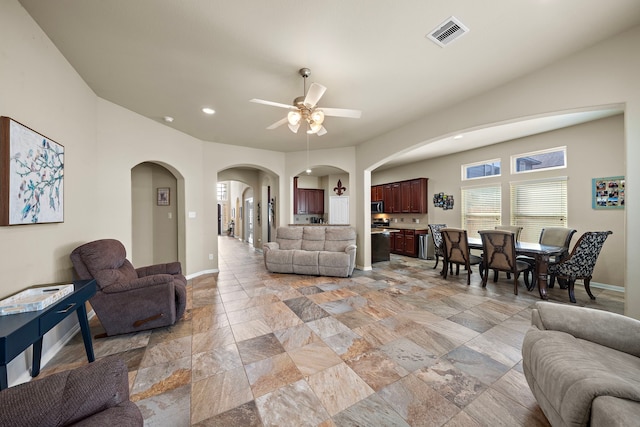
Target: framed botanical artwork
<point x="608" y="193"/>
<point x="31" y="176"/>
<point x="163" y="196"/>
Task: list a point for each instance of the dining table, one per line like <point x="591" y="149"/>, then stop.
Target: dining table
<point x="541" y="254"/>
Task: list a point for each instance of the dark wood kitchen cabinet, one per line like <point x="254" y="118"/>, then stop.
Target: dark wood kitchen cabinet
<point x="309" y="201"/>
<point x="405" y="242"/>
<point x="408" y="196"/>
<point x="418" y="197"/>
<point x="377" y="193"/>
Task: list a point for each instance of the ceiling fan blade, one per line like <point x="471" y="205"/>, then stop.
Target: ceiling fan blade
<point x="314" y="94"/>
<point x="342" y="112"/>
<point x="278" y="123"/>
<point x="273" y="104"/>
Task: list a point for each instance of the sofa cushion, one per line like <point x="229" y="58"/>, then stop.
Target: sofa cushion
<point x="566" y="374"/>
<point x="333" y="264"/>
<point x="289" y="237"/>
<point x="313" y="238"/>
<point x="338" y="238"/>
<point x="305" y="262"/>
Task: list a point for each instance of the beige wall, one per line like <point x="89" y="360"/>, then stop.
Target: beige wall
<point x="593" y="150"/>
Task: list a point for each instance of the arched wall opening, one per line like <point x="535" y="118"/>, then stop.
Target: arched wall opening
<point x="157" y="222"/>
<point x="253" y="192"/>
<point x="583" y="140"/>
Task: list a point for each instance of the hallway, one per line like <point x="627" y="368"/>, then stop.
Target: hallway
<point x="394" y="346"/>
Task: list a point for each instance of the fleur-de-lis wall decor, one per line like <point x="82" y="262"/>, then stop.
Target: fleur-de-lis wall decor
<point x="339" y="189"/>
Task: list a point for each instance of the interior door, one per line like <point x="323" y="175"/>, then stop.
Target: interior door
<point x="338" y="210"/>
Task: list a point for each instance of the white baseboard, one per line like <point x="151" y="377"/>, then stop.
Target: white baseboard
<point x="607" y="287"/>
<point x="202" y="273"/>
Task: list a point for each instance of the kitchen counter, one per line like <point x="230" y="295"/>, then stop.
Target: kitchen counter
<point x="319" y="225"/>
<point x="383" y="230"/>
<point x="407" y="226"/>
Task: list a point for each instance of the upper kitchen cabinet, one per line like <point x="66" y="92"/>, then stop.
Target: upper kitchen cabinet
<point x="418" y="196"/>
<point x="307" y="201"/>
<point x="405" y="196"/>
<point x="377" y="193"/>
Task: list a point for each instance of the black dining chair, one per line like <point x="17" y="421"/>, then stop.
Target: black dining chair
<point x="456" y="251"/>
<point x="436" y="238"/>
<point x="581" y="262"/>
<point x="499" y="254"/>
<point x="552" y="236"/>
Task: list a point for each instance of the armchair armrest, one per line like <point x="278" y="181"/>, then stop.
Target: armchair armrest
<point x="168" y="268"/>
<point x="141" y="282"/>
<point x="601" y="327"/>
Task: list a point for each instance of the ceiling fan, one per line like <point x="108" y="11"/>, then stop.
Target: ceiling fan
<point x="305" y="109"/>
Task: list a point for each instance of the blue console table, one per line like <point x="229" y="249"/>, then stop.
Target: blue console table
<point x="19" y="331"/>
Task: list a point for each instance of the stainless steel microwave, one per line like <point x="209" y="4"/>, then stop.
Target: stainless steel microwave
<point x="377" y="207"/>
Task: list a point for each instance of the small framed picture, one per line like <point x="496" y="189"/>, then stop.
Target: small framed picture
<point x="163" y="196"/>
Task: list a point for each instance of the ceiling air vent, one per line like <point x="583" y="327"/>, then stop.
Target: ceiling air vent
<point x="448" y="31"/>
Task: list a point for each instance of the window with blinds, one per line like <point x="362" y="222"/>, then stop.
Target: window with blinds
<point x="481" y="208"/>
<point x="538" y="204"/>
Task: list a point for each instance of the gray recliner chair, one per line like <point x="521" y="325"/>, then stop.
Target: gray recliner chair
<point x="129" y="299"/>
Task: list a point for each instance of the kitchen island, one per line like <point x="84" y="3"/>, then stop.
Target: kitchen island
<point x="381" y="244"/>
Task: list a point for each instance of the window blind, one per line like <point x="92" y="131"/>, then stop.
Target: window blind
<point x="538" y="204"/>
<point x="481" y="208"/>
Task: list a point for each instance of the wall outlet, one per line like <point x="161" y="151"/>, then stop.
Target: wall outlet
<point x="211" y="257"/>
<point x="416" y="220"/>
<point x="401" y="219"/>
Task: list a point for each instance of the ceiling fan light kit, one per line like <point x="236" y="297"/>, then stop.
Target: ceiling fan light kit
<point x="305" y="108"/>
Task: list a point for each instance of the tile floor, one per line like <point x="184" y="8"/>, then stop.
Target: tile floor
<point x="395" y="346"/>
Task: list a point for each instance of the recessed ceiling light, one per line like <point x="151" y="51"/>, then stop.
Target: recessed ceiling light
<point x="168" y="119"/>
<point x="208" y="110"/>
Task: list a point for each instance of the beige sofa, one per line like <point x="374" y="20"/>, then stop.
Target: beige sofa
<point x="583" y="365"/>
<point x="312" y="250"/>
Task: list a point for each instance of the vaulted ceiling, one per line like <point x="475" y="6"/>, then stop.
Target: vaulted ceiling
<point x="172" y="58"/>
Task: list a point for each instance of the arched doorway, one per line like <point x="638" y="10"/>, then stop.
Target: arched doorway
<point x="154" y="216"/>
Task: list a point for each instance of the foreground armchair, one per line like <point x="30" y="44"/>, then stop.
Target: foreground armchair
<point x="129" y="299"/>
<point x="583" y="365"/>
<point x="96" y="394"/>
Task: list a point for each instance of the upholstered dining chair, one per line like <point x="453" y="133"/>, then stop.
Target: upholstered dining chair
<point x="499" y="254"/>
<point x="581" y="262"/>
<point x="130" y="299"/>
<point x="552" y="236"/>
<point x="436" y="238"/>
<point x="516" y="230"/>
<point x="456" y="251"/>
